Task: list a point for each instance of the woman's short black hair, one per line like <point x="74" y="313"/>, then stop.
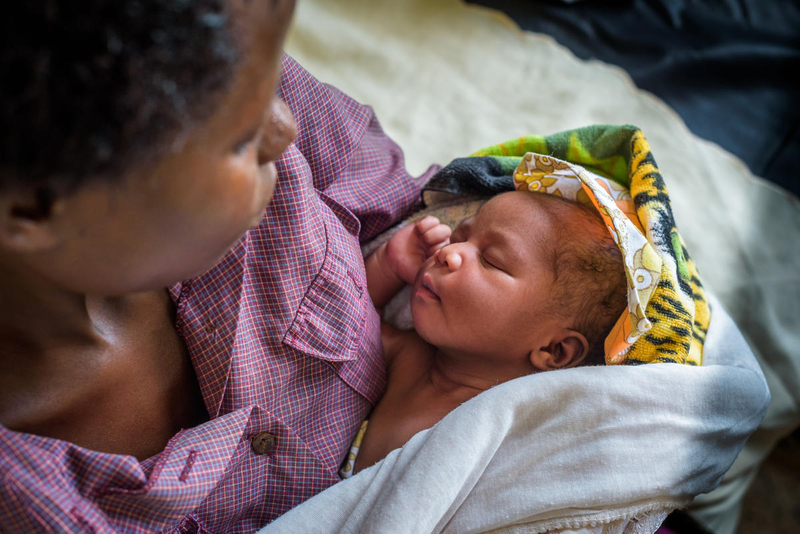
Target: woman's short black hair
<point x="90" y="87"/>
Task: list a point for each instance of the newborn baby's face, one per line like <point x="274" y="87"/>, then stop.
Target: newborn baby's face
<point x="486" y="293"/>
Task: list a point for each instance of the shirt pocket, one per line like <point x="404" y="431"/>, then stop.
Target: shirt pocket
<point x="330" y="319"/>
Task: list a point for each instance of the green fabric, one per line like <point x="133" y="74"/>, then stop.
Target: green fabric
<point x="602" y="149"/>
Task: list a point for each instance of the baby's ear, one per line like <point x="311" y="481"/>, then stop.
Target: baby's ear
<point x="567" y="348"/>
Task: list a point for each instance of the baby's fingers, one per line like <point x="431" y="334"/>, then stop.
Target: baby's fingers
<point x="436" y="238"/>
<point x="426" y="223"/>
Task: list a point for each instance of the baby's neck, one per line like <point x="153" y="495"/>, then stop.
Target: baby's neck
<point x="458" y="376"/>
<point x="478" y="372"/>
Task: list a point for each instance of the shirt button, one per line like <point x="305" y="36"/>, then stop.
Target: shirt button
<point x="263" y="443"/>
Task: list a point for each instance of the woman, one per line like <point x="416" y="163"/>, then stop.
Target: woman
<point x="159" y="369"/>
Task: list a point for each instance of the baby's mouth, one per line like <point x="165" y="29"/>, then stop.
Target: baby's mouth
<point x="427" y="287"/>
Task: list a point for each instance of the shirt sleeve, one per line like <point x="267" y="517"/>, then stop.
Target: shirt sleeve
<point x="375" y="185"/>
<point x="353" y="161"/>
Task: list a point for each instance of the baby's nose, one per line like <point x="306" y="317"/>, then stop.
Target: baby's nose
<point x="449" y="257"/>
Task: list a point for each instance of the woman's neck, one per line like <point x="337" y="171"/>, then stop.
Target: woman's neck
<point x="37" y="316"/>
<point x="41" y="317"/>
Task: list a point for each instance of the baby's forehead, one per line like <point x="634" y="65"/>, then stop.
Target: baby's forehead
<point x="515" y="222"/>
<point x="533" y="219"/>
<point x="516" y="209"/>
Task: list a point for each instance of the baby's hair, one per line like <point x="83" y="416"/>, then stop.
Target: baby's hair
<point x="588" y="270"/>
<point x="91" y="87"/>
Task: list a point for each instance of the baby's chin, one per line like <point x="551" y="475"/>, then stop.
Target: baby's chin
<point x="423" y="328"/>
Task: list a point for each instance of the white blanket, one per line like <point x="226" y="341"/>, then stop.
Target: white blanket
<point x="588" y="448"/>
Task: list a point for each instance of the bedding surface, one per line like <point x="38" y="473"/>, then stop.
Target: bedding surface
<point x="724" y="66"/>
<point x="446" y="79"/>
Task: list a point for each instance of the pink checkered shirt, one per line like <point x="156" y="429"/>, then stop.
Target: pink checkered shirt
<point x="282" y="336"/>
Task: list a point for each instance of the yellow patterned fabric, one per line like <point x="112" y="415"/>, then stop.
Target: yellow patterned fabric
<point x="346" y="470"/>
<point x="611" y="168"/>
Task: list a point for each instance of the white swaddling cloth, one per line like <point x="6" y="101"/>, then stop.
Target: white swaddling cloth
<point x="613" y="447"/>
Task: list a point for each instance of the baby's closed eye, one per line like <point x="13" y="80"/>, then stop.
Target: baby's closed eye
<point x="490" y="261"/>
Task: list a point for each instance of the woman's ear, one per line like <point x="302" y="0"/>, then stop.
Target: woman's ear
<point x="566" y="349"/>
<point x="26" y="220"/>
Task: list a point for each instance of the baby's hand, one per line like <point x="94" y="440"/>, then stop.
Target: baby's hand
<point x="410" y="246"/>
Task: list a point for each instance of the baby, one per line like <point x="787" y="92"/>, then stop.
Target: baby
<point x="532" y="282"/>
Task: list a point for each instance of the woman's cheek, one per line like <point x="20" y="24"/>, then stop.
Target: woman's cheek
<point x="268" y="174"/>
<point x="243" y="195"/>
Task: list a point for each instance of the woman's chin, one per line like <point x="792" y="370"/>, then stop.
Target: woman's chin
<point x="202" y="266"/>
